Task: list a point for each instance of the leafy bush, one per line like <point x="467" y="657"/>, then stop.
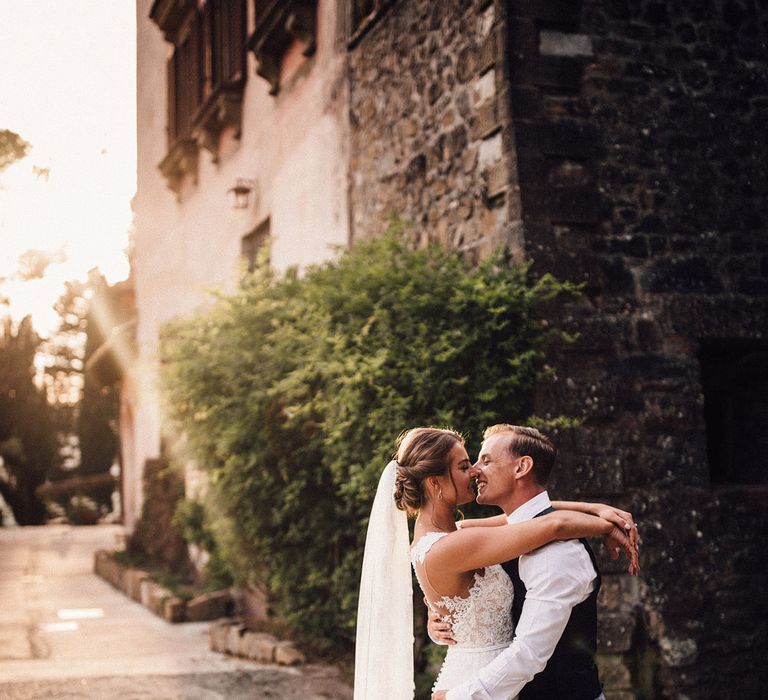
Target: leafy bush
<point x="194" y="523"/>
<point x="291" y="393"/>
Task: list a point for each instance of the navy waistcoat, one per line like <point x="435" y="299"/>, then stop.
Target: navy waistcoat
<point x="570" y="673"/>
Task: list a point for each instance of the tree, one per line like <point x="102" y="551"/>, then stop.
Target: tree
<point x="12" y="148"/>
<point x="86" y="406"/>
<point x="98" y="408"/>
<point x="28" y="445"/>
<point x="33" y="264"/>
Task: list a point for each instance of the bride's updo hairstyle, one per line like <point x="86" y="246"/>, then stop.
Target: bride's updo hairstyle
<point x="421" y="453"/>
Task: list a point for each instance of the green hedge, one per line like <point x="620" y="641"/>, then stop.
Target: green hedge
<point x="291" y="393"/>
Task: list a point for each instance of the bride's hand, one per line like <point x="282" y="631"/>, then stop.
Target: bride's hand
<point x="439" y="695"/>
<point x="617" y="540"/>
<point x="622" y="519"/>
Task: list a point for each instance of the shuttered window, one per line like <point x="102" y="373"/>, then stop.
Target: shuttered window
<point x="211" y="56"/>
<point x="185" y="83"/>
<point x="226" y="31"/>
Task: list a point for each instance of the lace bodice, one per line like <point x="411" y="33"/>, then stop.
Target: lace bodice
<point x="484" y="617"/>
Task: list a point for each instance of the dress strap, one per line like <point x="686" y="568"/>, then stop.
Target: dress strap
<point x="420" y="549"/>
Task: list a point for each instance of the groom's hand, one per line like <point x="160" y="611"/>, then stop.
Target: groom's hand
<point x="439" y="632"/>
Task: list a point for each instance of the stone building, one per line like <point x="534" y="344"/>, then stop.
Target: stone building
<point x="618" y="144"/>
<point x="228" y="159"/>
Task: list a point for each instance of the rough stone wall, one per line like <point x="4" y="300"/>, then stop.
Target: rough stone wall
<point x="641" y="164"/>
<point x="427" y="91"/>
<point x="619" y="144"/>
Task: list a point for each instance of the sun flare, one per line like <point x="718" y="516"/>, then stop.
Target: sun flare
<point x="68" y="86"/>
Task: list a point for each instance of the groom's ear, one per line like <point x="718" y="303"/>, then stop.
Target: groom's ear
<point x="524" y="467"/>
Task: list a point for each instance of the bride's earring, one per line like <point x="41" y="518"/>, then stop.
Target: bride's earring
<point x="440" y="494"/>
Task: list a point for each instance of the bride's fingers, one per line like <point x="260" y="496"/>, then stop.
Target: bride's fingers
<point x="628" y="524"/>
<point x="634" y="535"/>
<point x="613" y="516"/>
<point x="624" y="521"/>
<point x="634" y="562"/>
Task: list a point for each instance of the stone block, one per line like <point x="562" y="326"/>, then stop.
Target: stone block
<point x="614" y="672"/>
<point x="113" y="571"/>
<point x="490" y="151"/>
<point x="286" y="654"/>
<point x="488" y="53"/>
<point x="144" y="591"/>
<point x="558" y="11"/>
<point x="174" y="609"/>
<point x="218" y="633"/>
<point x="157" y="597"/>
<point x="553" y="43"/>
<point x="615" y="632"/>
<point x="692" y="275"/>
<point x="526" y="101"/>
<point x="469" y="160"/>
<point x="574" y="204"/>
<point x="133" y="580"/>
<point x="235" y="636"/>
<point x="210" y="606"/>
<point x="563" y="72"/>
<point x="487" y="121"/>
<point x="100" y="558"/>
<point x="580" y="141"/>
<point x="466" y="65"/>
<point x="497" y="179"/>
<point x="523" y="35"/>
<point x="616" y="276"/>
<point x="619" y="593"/>
<point x="259" y="647"/>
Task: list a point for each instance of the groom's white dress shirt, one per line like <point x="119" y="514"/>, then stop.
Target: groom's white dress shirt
<point x="557" y="577"/>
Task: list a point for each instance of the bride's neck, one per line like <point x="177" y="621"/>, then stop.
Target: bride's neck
<point x="436" y="518"/>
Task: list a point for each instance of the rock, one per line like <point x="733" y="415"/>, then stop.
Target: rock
<point x="259" y="647"/>
<point x="157" y="597"/>
<point x="210" y="606"/>
<point x="235" y="637"/>
<point x="615" y="631"/>
<point x="218" y="632"/>
<point x="100" y="562"/>
<point x="614" y="672"/>
<point x="174" y="609"/>
<point x="288" y="655"/>
<point x="133" y="580"/>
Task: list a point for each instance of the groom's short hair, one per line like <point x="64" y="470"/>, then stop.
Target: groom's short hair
<point x="528" y="442"/>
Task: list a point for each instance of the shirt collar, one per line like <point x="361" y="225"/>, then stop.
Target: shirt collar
<point x="532" y="507"/>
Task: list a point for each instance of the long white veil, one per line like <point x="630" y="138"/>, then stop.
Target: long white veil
<point x="384" y="643"/>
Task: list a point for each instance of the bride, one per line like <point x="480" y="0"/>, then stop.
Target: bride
<point x="457" y="569"/>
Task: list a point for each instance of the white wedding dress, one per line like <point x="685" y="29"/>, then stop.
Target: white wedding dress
<point x="482" y="622"/>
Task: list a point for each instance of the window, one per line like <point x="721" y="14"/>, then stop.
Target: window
<point x="206" y="78"/>
<point x="225" y="27"/>
<point x="185" y="85"/>
<point x="279" y="24"/>
<point x="255" y="246"/>
<point x="734" y="377"/>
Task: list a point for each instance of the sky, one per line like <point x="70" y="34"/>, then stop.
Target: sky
<point x="68" y="87"/>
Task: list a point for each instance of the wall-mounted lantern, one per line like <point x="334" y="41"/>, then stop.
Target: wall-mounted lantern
<point x="240" y="193"/>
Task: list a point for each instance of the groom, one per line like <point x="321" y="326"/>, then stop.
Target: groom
<point x="555" y="587"/>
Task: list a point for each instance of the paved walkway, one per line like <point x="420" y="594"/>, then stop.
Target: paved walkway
<point x="65" y="633"/>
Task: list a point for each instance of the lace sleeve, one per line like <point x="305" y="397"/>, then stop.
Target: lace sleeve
<point x="420" y="549"/>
